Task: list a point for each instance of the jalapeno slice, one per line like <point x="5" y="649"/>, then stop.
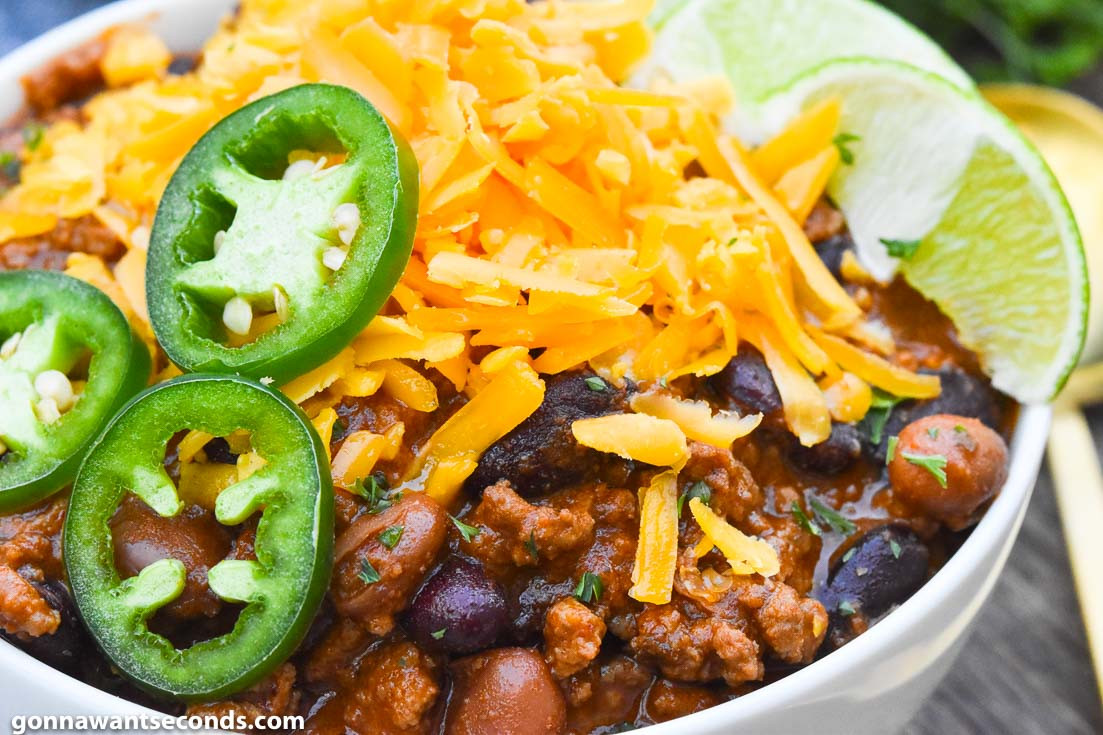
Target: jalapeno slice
<point x="291" y="259"/>
<point x="281" y="589"/>
<point x="68" y="361"/>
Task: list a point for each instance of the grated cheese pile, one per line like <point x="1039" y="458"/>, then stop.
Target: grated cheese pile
<point x="555" y="215"/>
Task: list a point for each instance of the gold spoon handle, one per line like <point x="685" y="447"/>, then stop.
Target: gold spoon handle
<point x="1079" y="482"/>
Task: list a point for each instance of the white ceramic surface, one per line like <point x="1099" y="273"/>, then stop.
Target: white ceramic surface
<point x="872" y="686"/>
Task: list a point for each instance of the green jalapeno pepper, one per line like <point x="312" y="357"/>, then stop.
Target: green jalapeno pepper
<point x="281" y="589"/>
<point x="242" y="235"/>
<point x="57" y="333"/>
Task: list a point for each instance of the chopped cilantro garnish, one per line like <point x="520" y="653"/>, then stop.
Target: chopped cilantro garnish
<point x="664" y="381"/>
<point x="831" y="517"/>
<point x="880" y="408"/>
<point x="699" y="489"/>
<point x="7" y="158"/>
<point x="841" y="142"/>
<point x="933" y="463"/>
<point x="932" y="432"/>
<point x="32" y="135"/>
<point x="890" y="453"/>
<point x="595" y="384"/>
<point x="438" y="634"/>
<point x="960" y="429"/>
<point x="903" y="249"/>
<point x="390" y="536"/>
<point x="368" y="575"/>
<point x="339" y="429"/>
<point x="373" y="489"/>
<point x="805" y="522"/>
<point x="531" y="545"/>
<point x="846" y="608"/>
<point x="850" y="554"/>
<point x="466" y="531"/>
<point x="589" y="588"/>
<point x="895" y="549"/>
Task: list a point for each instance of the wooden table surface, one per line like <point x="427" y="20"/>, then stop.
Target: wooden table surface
<point x="1025" y="670"/>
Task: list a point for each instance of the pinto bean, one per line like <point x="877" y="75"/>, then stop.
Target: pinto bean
<point x="973" y="459"/>
<point x="507" y="691"/>
<point x="141" y="537"/>
<point x="400" y="569"/>
<point x="886" y="566"/>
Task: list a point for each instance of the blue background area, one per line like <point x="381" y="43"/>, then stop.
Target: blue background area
<point x="22" y="20"/>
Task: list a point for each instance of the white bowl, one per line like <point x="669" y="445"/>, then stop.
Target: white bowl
<point x="871" y="686"/>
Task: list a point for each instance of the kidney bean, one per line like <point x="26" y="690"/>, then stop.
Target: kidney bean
<point x="971" y="458"/>
<point x="834" y="455"/>
<point x="506" y="691"/>
<point x="400" y="569"/>
<point x="748" y="382"/>
<point x="459" y="610"/>
<point x="884" y="568"/>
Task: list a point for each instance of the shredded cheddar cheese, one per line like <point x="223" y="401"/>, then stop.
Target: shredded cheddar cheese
<point x="451" y="454"/>
<point x="696" y="419"/>
<point x="657" y="552"/>
<point x="639" y="437"/>
<point x="745" y="554"/>
<point x="558" y="229"/>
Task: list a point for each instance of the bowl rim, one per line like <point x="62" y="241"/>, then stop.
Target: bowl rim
<point x="995" y="530"/>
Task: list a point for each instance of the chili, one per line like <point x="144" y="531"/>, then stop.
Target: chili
<point x="240" y="233"/>
<point x="52" y="328"/>
<point x="281" y="588"/>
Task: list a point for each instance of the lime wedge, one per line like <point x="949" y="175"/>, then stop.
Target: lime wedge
<point x="761" y="45"/>
<point x="979" y="222"/>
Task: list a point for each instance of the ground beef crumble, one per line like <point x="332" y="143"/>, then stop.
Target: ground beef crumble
<point x="22" y="609"/>
<point x="696" y="648"/>
<point x="395" y="691"/>
<point x="51" y="251"/>
<point x="275" y="695"/>
<point x="572" y="637"/>
<point x="516" y="532"/>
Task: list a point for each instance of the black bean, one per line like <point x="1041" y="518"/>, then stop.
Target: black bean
<point x="183" y="63"/>
<point x="831" y="252"/>
<point x="72" y="651"/>
<point x="459" y="610"/>
<point x="541" y="455"/>
<point x="887" y="565"/>
<point x="834" y="455"/>
<point x="63" y="649"/>
<point x="218" y="450"/>
<point x="748" y="382"/>
<point x="962" y="395"/>
<point x="528" y="605"/>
